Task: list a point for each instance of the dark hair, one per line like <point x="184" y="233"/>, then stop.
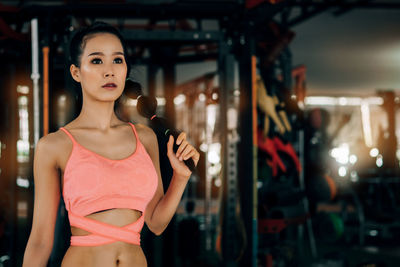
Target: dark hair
<point x="77" y="44"/>
<point x="78" y="41"/>
<point x="147" y="107"/>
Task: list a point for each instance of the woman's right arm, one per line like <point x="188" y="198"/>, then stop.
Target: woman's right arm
<point x="47" y="197"/>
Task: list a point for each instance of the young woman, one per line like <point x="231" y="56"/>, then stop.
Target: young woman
<point x="110" y="174"/>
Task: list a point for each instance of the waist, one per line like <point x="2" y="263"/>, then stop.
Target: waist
<point x="116" y="216"/>
<point x="106" y="228"/>
<point x="114" y="254"/>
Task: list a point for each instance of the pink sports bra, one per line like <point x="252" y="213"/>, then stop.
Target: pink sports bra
<point x="94" y="183"/>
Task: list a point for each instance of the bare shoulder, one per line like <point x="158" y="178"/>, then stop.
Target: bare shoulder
<point x="51" y="144"/>
<point x="147" y="135"/>
<point x="48" y="142"/>
<point x="145" y="131"/>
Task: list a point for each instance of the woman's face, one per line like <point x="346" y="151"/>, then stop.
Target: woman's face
<point x="103" y="68"/>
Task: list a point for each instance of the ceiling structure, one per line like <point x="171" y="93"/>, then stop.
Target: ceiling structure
<point x="355" y="53"/>
<point x="348" y="46"/>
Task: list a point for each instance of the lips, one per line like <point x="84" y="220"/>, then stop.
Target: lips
<point x="110" y="86"/>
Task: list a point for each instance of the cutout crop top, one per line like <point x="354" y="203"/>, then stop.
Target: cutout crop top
<point x="94" y="183"/>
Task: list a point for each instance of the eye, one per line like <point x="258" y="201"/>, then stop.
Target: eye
<point x="118" y="60"/>
<point x="96" y="61"/>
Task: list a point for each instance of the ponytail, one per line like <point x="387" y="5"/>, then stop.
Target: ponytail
<point x="147" y="107"/>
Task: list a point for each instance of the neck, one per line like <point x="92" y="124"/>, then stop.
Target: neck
<point x="98" y="114"/>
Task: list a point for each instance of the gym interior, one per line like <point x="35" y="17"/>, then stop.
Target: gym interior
<point x="292" y="105"/>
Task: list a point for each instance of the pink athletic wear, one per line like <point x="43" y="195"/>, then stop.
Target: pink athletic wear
<point x="94" y="183"/>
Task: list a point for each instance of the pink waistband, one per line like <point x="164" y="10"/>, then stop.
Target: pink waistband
<point x="103" y="233"/>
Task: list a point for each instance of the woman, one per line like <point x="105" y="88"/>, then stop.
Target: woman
<point x="110" y="179"/>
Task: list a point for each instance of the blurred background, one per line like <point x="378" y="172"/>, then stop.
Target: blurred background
<point x="293" y="105"/>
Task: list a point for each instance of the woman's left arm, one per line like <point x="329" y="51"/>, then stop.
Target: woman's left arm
<point x="162" y="207"/>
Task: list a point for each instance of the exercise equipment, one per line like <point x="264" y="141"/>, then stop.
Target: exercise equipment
<point x="267" y="104"/>
<point x="328" y="226"/>
<point x="287" y="148"/>
<point x="267" y="145"/>
<point x="321" y="188"/>
<point x="147" y="107"/>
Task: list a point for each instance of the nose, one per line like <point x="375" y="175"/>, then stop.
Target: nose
<point x="108" y="71"/>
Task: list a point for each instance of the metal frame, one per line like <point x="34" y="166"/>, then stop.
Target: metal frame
<point x="230" y="154"/>
<point x="248" y="148"/>
<point x="230" y="136"/>
<point x="237" y="23"/>
<point x="293" y="12"/>
<point x="172" y="36"/>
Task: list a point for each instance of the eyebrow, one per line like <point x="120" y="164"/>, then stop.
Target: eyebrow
<point x="102" y="54"/>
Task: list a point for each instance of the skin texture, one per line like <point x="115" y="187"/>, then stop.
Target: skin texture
<point x="98" y="129"/>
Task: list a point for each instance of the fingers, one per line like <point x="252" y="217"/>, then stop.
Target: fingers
<point x="181" y="137"/>
<point x="185" y="150"/>
<point x="190" y="152"/>
<point x="183" y="144"/>
<point x="170" y="145"/>
<point x="181" y="141"/>
<point x="181" y="148"/>
<point x="196" y="157"/>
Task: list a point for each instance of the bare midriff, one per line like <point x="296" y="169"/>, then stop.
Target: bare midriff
<point x="118" y="253"/>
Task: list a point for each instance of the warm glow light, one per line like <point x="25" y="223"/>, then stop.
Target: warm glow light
<point x="62" y="99"/>
<point x="213" y="155"/>
<point x="374" y="152"/>
<point x="379" y="161"/>
<point x="217" y="182"/>
<point x="23" y="100"/>
<point x="131" y="102"/>
<point x="202" y="97"/>
<point x="366" y="123"/>
<point x="22" y="150"/>
<point x="23" y="89"/>
<point x="353" y="159"/>
<point x="214" y="170"/>
<point x="203" y="147"/>
<point x="342" y="171"/>
<point x="160" y="101"/>
<point x="354" y="176"/>
<point x="179" y="99"/>
<point x="211" y="116"/>
<point x="214" y="96"/>
<point x="319" y="101"/>
<point x="341" y="153"/>
<point x="341" y="101"/>
<point x="22" y="182"/>
<point x="23" y="145"/>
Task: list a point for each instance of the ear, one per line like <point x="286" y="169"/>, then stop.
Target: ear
<point x="75" y="73"/>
